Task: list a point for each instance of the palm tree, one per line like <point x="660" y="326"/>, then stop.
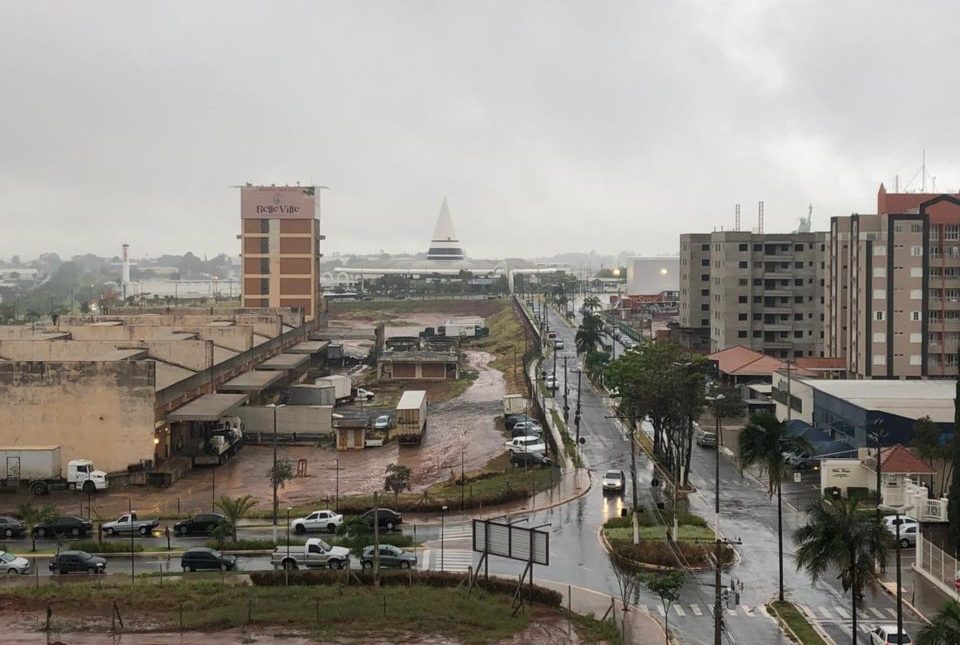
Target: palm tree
<point x="839" y="535"/>
<point x="763" y="443"/>
<point x="591" y="303"/>
<point x="594" y="364"/>
<point x="588" y="335"/>
<point x="945" y="628"/>
<point x="234" y="509"/>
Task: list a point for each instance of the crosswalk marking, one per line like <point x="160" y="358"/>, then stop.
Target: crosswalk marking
<point x="746" y="610"/>
<point x="877" y="613"/>
<point x="843" y="613"/>
<point x="680" y="611"/>
<point x="696" y="610"/>
<point x="660" y="608"/>
<point x="732" y="612"/>
<point x="826" y="613"/>
<point x="892" y="612"/>
<point x="807" y="611"/>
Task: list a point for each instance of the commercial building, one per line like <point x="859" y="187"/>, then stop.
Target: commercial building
<point x="893" y="284"/>
<point x="280" y="247"/>
<point x="763" y="291"/>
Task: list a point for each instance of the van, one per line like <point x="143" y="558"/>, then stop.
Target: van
<point x="706" y="439"/>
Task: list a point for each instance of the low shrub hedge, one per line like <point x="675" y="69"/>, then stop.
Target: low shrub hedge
<point x="356" y="543"/>
<point x="405" y="578"/>
<point x="253" y="544"/>
<point x="107" y="546"/>
<point x="659" y="553"/>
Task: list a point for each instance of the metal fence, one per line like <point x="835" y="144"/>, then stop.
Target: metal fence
<point x="939" y="566"/>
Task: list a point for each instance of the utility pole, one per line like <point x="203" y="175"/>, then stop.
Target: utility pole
<point x="554" y="367"/>
<point x="633" y="480"/>
<point x="576" y="414"/>
<point x="566" y="390"/>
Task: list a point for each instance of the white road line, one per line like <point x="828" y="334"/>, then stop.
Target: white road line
<point x="826" y="613"/>
<point x="878" y="613"/>
<point x="731" y="612"/>
<point x="680" y="611"/>
<point x="746" y="610"/>
<point x="425" y="560"/>
<point x="892" y="612"/>
<point x="807" y="611"/>
<point x="660" y="608"/>
<point x="843" y="612"/>
<point x="696" y="610"/>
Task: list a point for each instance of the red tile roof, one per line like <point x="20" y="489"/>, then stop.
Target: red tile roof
<point x="743" y="361"/>
<point x="900" y="460"/>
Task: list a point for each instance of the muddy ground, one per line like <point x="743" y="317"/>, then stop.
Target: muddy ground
<point x="465" y="423"/>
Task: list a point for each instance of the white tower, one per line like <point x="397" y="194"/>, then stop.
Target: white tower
<point x="444" y="245"/>
<point x="125" y="271"/>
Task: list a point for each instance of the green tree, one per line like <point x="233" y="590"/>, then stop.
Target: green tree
<point x="397" y="480"/>
<point x="591" y="304"/>
<point x="667" y="587"/>
<point x="953" y="505"/>
<point x="945" y="627"/>
<point x="926" y="439"/>
<point x="588" y="334"/>
<point x="235" y="509"/>
<point x="764" y="443"/>
<point x="32" y="515"/>
<point x="839" y="536"/>
<point x="594" y="364"/>
<point x="279" y="475"/>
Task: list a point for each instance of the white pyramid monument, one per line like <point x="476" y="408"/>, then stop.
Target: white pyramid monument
<point x="444" y="245"/>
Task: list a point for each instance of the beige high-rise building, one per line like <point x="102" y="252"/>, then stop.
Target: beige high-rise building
<point x="280" y="247"/>
<point x="762" y="291"/>
<point x="894" y="286"/>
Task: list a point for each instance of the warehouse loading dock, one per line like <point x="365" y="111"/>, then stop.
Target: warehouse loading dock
<point x="196" y="428"/>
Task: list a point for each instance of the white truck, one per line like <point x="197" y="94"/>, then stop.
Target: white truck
<point x="514" y="404"/>
<point x="39" y="468"/>
<point x="411" y="416"/>
<point x="342" y="386"/>
<point x="463" y="327"/>
<point x="315" y="554"/>
<point x="129" y="523"/>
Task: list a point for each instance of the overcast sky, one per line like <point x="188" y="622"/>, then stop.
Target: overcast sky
<point x="551" y="126"/>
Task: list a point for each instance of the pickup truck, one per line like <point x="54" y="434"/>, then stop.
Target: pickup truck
<point x="314" y="554"/>
<point x="129" y="523"/>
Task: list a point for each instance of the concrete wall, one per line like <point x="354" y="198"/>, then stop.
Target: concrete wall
<point x="264" y="324"/>
<point x="98" y="411"/>
<point x="195" y="355"/>
<point x="291" y="419"/>
<point x="237" y="338"/>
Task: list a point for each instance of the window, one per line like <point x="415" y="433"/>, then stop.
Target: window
<point x="879" y="250"/>
<point x="951" y="232"/>
<point x="741" y="316"/>
<point x="879" y="337"/>
<point x="742" y="333"/>
<point x="758" y="317"/>
<point x="879" y="294"/>
<point x="915" y="316"/>
<point x="798" y="299"/>
<point x="704" y="247"/>
<point x="758" y="282"/>
<point x="916" y="337"/>
<point x="744" y="282"/>
<point x="704" y="322"/>
<point x="742" y="265"/>
<point x="743" y="248"/>
<point x="915" y="272"/>
<point x="264" y="266"/>
<point x="757" y="333"/>
<point x="916" y="294"/>
<point x="705" y="277"/>
<point x="742" y="300"/>
<point x="878" y="316"/>
<point x="880" y="272"/>
<point x="758" y="299"/>
<point x="898" y="228"/>
<point x="798" y="334"/>
<point x="705" y="262"/>
<point x="705" y="307"/>
<point x="798" y="316"/>
<point x="264" y="286"/>
<point x="916" y="228"/>
<point x="798" y="282"/>
<point x="916" y="251"/>
<point x="757" y="247"/>
<point x="798" y="247"/>
<point x="879" y="359"/>
<point x="915" y="359"/>
<point x="798" y="265"/>
<point x="704" y="292"/>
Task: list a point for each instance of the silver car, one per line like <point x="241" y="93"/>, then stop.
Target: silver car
<point x="10" y="563"/>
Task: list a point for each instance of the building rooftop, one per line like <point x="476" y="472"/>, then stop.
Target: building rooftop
<point x="911" y="399"/>
<point x="901" y="460"/>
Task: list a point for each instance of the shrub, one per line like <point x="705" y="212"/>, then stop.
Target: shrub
<point x="402" y="578"/>
<point x="254" y="544"/>
<point x="658" y="552"/>
<point x="107" y="546"/>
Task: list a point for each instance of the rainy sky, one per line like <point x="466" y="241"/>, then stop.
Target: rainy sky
<point x="551" y="126"/>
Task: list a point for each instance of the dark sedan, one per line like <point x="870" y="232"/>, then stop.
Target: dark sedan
<point x="11" y="527"/>
<point x="386" y="518"/>
<point x="199" y="524"/>
<point x="204" y="559"/>
<point x="63" y="525"/>
<point x="77" y="561"/>
<point x="390" y="556"/>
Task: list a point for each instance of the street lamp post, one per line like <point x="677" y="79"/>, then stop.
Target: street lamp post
<point x="336" y="506"/>
<point x="286" y="570"/>
<point x="898" y="511"/>
<point x="717" y="599"/>
<point x="133" y="560"/>
<point x="443" y="512"/>
<point x="462" y="481"/>
<point x="566" y="392"/>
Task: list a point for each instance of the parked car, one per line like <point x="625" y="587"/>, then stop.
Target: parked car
<point x="77" y="561"/>
<point x="558" y="343"/>
<point x="807" y="463"/>
<point x="706" y="439"/>
<point x="201" y="558"/>
<point x="199" y="524"/>
<point x="886" y="634"/>
<point x="512" y="420"/>
<point x="390" y="556"/>
<point x="530" y="459"/>
<point x="63" y="525"/>
<point x="550" y="382"/>
<point x="382" y="422"/>
<point x="10" y="563"/>
<point x="613" y="481"/>
<point x="317" y="521"/>
<point x="386" y="518"/>
<point x="891" y="521"/>
<point x="522" y="428"/>
<point x="794" y="458"/>
<point x="909" y="528"/>
<point x="908" y="536"/>
<point x="365" y="394"/>
<point x="529" y="443"/>
<point x="11" y="527"/>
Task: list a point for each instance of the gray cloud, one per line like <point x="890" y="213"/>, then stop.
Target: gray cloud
<point x="551" y="125"/>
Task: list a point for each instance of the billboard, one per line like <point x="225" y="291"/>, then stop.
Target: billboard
<point x="508" y="541"/>
<point x="279" y="202"/>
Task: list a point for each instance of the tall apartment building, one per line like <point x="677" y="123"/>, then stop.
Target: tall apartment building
<point x="894" y="285"/>
<point x="762" y="291"/>
<point x="280" y="247"/>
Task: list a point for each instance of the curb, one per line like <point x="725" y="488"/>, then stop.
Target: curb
<point x="771" y="611"/>
<point x="893" y="594"/>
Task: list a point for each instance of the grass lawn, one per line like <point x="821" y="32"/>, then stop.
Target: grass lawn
<point x="687" y="532"/>
<point x="328" y="611"/>
<point x="797" y="622"/>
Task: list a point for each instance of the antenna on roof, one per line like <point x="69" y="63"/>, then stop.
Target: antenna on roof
<point x="737" y="219"/>
<point x="760" y="218"/>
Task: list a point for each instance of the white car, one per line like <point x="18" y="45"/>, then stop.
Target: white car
<point x="613" y="481"/>
<point x="526" y="444"/>
<point x="382" y="422"/>
<point x="527" y="428"/>
<point x="886" y="634"/>
<point x="317" y="521"/>
<point x="364" y="394"/>
<point x="550" y="382"/>
<point x="10" y="563"/>
<point x="909" y="528"/>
